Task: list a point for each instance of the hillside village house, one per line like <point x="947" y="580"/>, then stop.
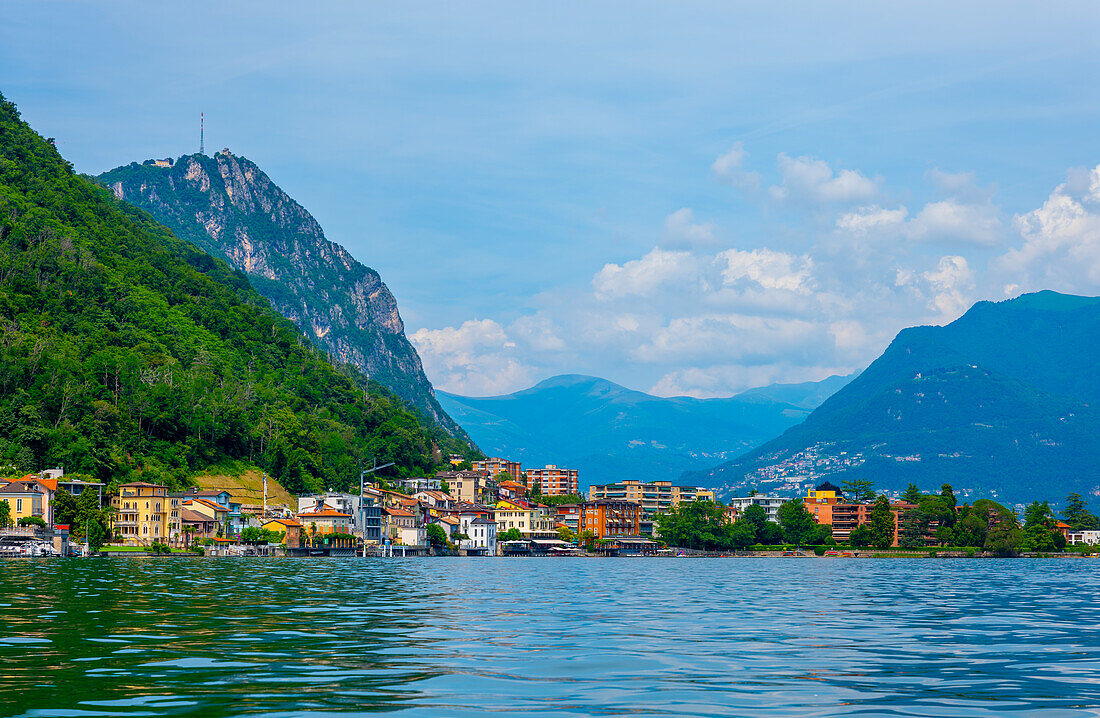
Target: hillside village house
<point x="655" y="497"/>
<point x="512" y="490"/>
<point x="25" y="499"/>
<point x="141" y="513"/>
<point x="326" y="521"/>
<point x="365" y="510"/>
<point x="401" y="526"/>
<point x="290" y="527"/>
<point x="475" y="487"/>
<point x="45" y="486"/>
<point x="609" y="519"/>
<point x="481" y="532"/>
<point x="569" y="515"/>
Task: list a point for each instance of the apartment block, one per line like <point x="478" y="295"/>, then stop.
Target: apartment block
<point x="846" y="517"/>
<point x="770" y="504"/>
<point x="553" y="481"/>
<point x="497" y="465"/>
<point x="473" y="487"/>
<point x="141" y="513"/>
<point x="610" y="518"/>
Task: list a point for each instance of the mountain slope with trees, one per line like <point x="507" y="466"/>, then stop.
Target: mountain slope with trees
<point x="127" y="353"/>
<point x="230" y="208"/>
<point x="1001" y="402"/>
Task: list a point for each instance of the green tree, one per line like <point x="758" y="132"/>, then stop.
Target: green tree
<point x="796" y="521"/>
<point x="771" y="534"/>
<point x="860" y="491"/>
<point x="945" y="536"/>
<point x="948" y="496"/>
<point x="971" y="531"/>
<point x="882" y="523"/>
<point x="860" y="536"/>
<point x="913" y="529"/>
<point x="757" y="516"/>
<point x="566" y="534"/>
<point x="437" y="537"/>
<point x="912" y="494"/>
<point x="65" y="508"/>
<point x="32" y="521"/>
<point x="512" y="534"/>
<point x="1077" y="515"/>
<point x="696" y="524"/>
<point x="588" y="539"/>
<point x="5" y="514"/>
<point x="742" y="534"/>
<point x="444" y="486"/>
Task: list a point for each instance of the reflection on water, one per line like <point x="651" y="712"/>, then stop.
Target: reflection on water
<point x="564" y="637"/>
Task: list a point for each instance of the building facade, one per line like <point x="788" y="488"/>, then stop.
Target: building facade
<point x="846" y="517"/>
<point x="141" y="513"/>
<point x="554" y="481"/>
<point x="530" y="520"/>
<point x="609" y="519"/>
<point x="497" y="465"/>
<point x="481" y="534"/>
<point x="365" y="511"/>
<point x="474" y="487"/>
<point x="820" y="501"/>
<point x="770" y="504"/>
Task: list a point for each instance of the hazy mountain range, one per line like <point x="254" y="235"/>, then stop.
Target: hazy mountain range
<point x="610" y="432"/>
<point x="1002" y="402"/>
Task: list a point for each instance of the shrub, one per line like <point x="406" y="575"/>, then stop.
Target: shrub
<point x="819" y="550"/>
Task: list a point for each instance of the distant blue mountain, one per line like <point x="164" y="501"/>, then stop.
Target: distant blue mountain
<point x="610" y="432"/>
<point x="1002" y="402"/>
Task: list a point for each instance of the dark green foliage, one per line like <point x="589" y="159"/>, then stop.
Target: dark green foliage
<point x="796" y="521"/>
<point x="65" y="508"/>
<point x="512" y="534"/>
<point x="860" y="536"/>
<point x="557" y="500"/>
<point x="256" y="534"/>
<point x="882" y="523"/>
<point x="1040" y="533"/>
<point x="126" y="353"/>
<point x="860" y="491"/>
<point x="698" y="525"/>
<point x="5" y="514"/>
<point x="160" y="548"/>
<point x="756" y="515"/>
<point x="437" y="537"/>
<point x="32" y="521"/>
<point x="1077" y="514"/>
<point x="912" y="494"/>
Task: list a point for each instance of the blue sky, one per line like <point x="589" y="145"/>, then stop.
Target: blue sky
<point x="681" y="197"/>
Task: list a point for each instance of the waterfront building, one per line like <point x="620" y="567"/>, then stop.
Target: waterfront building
<point x="681" y="494"/>
<point x="24" y="498"/>
<point x="365" y="510"/>
<point x="481" y="533"/>
<point x="1087" y="536"/>
<point x="610" y="518"/>
<point x="532" y="520"/>
<point x="475" y="487"/>
<point x="318" y="523"/>
<point x="770" y="504"/>
<point x="496" y="466"/>
<point x="553" y="481"/>
<point x="292" y="528"/>
<point x="820" y="501"/>
<point x="847" y="516"/>
<point x="46" y="486"/>
<point x="196" y="525"/>
<point x="435" y="499"/>
<point x="141" y="513"/>
<point x="655" y="497"/>
<point x="401" y="526"/>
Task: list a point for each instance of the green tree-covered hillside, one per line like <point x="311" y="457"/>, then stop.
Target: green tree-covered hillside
<point x="126" y="353"/>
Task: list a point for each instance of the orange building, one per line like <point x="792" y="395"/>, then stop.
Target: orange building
<point x="497" y="465"/>
<point x="609" y="518"/>
<point x="553" y="481"/>
<point x="820" y="501"/>
<point x="292" y="528"/>
<point x="846" y="517"/>
<point x="512" y="490"/>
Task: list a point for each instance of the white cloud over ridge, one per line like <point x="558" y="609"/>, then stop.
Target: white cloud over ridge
<point x="704" y="318"/>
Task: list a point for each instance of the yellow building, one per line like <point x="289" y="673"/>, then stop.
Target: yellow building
<point x="531" y="521"/>
<point x="141" y="513"/>
<point x="820" y="501"/>
<point x="25" y="499"/>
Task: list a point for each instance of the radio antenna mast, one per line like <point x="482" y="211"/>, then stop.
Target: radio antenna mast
<point x="202" y="138"/>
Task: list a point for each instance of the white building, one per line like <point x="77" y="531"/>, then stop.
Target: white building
<point x="414" y="484"/>
<point x="1083" y="537"/>
<point x="365" y="511"/>
<point x="770" y="504"/>
<point x="482" y="533"/>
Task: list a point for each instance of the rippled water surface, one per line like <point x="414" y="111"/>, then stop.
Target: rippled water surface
<point x="563" y="637"/>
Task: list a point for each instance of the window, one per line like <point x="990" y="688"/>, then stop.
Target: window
<point x="146" y="530"/>
<point x="19" y="504"/>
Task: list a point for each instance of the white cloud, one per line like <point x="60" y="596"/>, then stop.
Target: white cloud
<point x="744" y="338"/>
<point x="683" y="232"/>
<point x="769" y="269"/>
<point x="1061" y="239"/>
<point x="641" y="277"/>
<point x="473" y="359"/>
<point x="952" y="221"/>
<point x="960" y="185"/>
<point x="872" y="220"/>
<point x="728" y="169"/>
<point x="805" y="179"/>
<point x="951" y="281"/>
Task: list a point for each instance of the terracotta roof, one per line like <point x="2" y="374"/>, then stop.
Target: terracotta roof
<point x="18" y="487"/>
<point x="326" y="513"/>
<point x="398" y="512"/>
<point x="204" y="502"/>
<point x="284" y="522"/>
<point x="141" y="484"/>
<point x="449" y="519"/>
<point x="193" y="517"/>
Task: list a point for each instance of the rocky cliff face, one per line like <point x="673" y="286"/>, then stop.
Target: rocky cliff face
<point x="227" y="206"/>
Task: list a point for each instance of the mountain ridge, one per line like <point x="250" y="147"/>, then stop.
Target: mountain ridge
<point x="228" y="206"/>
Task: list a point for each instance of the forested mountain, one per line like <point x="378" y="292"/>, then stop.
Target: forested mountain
<point x="227" y="206"/>
<point x="609" y="432"/>
<point x="127" y="353"/>
<point x="1002" y="402"/>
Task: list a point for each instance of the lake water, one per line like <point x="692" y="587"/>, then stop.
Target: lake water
<point x="562" y="637"/>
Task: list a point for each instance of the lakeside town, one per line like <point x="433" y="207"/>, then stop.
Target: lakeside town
<point x="496" y="507"/>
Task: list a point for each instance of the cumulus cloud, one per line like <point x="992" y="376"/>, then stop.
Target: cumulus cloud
<point x="683" y="232"/>
<point x="951" y="281"/>
<point x="960" y="185"/>
<point x="476" y="358"/>
<point x="728" y="168"/>
<point x="767" y="268"/>
<point x="872" y="220"/>
<point x="952" y="221"/>
<point x="805" y="179"/>
<point x="1061" y="239"/>
<point x="640" y="277"/>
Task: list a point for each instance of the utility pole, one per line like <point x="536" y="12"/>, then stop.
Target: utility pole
<point x="265" y="495"/>
<point x="362" y="508"/>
